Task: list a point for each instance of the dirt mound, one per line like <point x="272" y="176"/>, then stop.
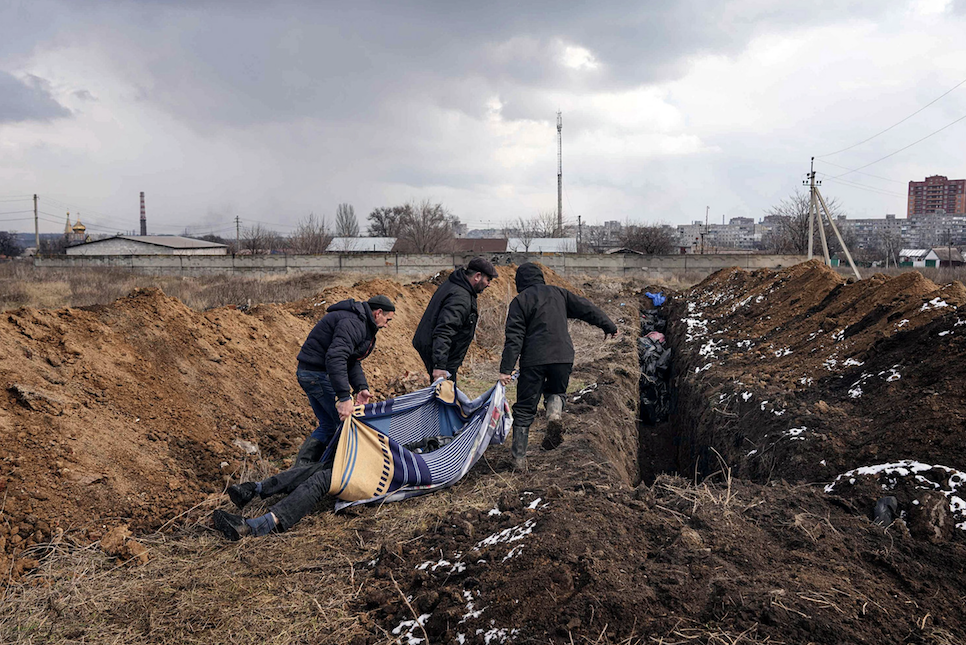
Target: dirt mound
<point x="809" y="375"/>
<point x="136" y="411"/>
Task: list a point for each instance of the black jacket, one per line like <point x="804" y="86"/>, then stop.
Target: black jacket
<point x="336" y="345"/>
<point x="536" y="325"/>
<point x="448" y="324"/>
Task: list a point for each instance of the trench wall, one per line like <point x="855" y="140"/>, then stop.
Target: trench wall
<point x="654" y="267"/>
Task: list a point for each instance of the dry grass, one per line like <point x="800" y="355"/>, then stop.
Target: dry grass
<point x="22" y="285"/>
<point x="301" y="586"/>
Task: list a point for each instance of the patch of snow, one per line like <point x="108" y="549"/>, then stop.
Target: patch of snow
<point x="743" y="344"/>
<point x="806" y="380"/>
<point x="746" y="395"/>
<point x="945" y="333"/>
<point x="753" y="452"/>
<point x="902" y="323"/>
<point x="935" y="303"/>
<point x="514" y="551"/>
<point x="494" y="511"/>
<point x="855" y="392"/>
<point x="410" y="626"/>
<point x="784" y="351"/>
<point x="533" y="505"/>
<point x="838" y="335"/>
<point x="511" y="534"/>
<point x="850" y="362"/>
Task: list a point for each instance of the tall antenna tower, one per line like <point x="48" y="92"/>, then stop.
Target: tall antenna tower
<point x="559" y="174"/>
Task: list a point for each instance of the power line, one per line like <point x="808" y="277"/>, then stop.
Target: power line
<point x="895" y="181"/>
<point x="895" y="124"/>
<point x="871" y="189"/>
<point x="901" y="149"/>
<point x="15" y="212"/>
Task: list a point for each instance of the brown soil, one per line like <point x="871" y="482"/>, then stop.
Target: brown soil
<point x="137" y="411"/>
<point x="577" y="550"/>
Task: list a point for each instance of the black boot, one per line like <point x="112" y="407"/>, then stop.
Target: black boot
<point x="233" y="527"/>
<point x="521" y="434"/>
<point x="241" y="494"/>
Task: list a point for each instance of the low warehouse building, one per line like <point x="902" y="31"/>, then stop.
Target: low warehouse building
<point x="148" y="245"/>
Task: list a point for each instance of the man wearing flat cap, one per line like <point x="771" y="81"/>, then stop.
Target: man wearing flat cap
<point x="449" y="322"/>
<point x="330" y="369"/>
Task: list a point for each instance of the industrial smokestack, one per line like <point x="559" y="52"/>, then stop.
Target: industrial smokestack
<point x="144" y="219"/>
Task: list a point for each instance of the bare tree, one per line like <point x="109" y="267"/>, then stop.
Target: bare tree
<point x="546" y="225"/>
<point x="527" y="231"/>
<point x="387" y="221"/>
<point x="426" y="228"/>
<point x="653" y="240"/>
<point x="888" y="243"/>
<point x="346" y="224"/>
<point x="311" y="236"/>
<point x="9" y="245"/>
<point x="790" y="234"/>
<point x="258" y="239"/>
<point x="596" y="238"/>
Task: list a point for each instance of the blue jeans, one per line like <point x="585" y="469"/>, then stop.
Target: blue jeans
<point x="322" y="399"/>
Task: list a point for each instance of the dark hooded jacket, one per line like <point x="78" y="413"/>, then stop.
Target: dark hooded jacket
<point x="536" y="325"/>
<point x="336" y="345"/>
<point x="448" y="324"/>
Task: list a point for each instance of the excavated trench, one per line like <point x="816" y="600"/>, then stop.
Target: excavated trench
<point x="671" y="418"/>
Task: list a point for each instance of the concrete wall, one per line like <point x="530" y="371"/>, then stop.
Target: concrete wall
<point x="655" y="267"/>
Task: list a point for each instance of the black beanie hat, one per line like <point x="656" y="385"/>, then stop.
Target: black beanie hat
<point x="381" y="302"/>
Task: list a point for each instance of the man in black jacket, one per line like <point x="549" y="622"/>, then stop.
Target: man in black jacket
<point x="536" y="333"/>
<point x="449" y="322"/>
<point x="330" y="369"/>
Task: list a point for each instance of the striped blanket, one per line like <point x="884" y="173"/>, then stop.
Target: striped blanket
<point x="373" y="463"/>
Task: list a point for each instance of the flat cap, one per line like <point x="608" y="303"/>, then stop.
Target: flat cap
<point x="483" y="266"/>
<point x="381" y="302"/>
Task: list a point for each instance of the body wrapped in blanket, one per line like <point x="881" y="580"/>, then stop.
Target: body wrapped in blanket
<point x="382" y="454"/>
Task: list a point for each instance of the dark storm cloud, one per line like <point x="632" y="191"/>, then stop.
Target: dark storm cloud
<point x="27" y="100"/>
<point x="247" y="63"/>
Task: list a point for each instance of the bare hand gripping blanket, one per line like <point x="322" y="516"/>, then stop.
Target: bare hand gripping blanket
<point x="372" y="463"/>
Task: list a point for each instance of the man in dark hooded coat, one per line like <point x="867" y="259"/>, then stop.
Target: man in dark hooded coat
<point x="536" y="333"/>
<point x="449" y="322"/>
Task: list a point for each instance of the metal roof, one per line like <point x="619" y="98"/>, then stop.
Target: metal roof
<point x="169" y="241"/>
<point x="361" y="245"/>
<point x="543" y="245"/>
<point x="914" y="253"/>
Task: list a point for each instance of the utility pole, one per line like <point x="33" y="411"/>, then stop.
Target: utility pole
<point x="707" y="211"/>
<point x="36" y="226"/>
<point x="579" y="230"/>
<point x="559" y="173"/>
<point x="812" y="206"/>
<point x="237" y="233"/>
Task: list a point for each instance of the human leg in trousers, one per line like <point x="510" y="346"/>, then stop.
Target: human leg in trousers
<point x="322" y="399"/>
<point x="556" y="380"/>
<point x="529" y="387"/>
<point x="303" y="500"/>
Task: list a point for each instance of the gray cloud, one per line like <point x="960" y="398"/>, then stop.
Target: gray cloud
<point x="27" y="100"/>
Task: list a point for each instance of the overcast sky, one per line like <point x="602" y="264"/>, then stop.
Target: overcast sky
<point x="269" y="111"/>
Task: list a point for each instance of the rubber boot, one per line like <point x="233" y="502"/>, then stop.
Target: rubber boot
<point x="555" y="404"/>
<point x="518" y="448"/>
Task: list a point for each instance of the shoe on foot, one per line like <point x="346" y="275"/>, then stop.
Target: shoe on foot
<point x="241" y="494"/>
<point x="555" y="404"/>
<point x="520" y="464"/>
<point x="233" y="527"/>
